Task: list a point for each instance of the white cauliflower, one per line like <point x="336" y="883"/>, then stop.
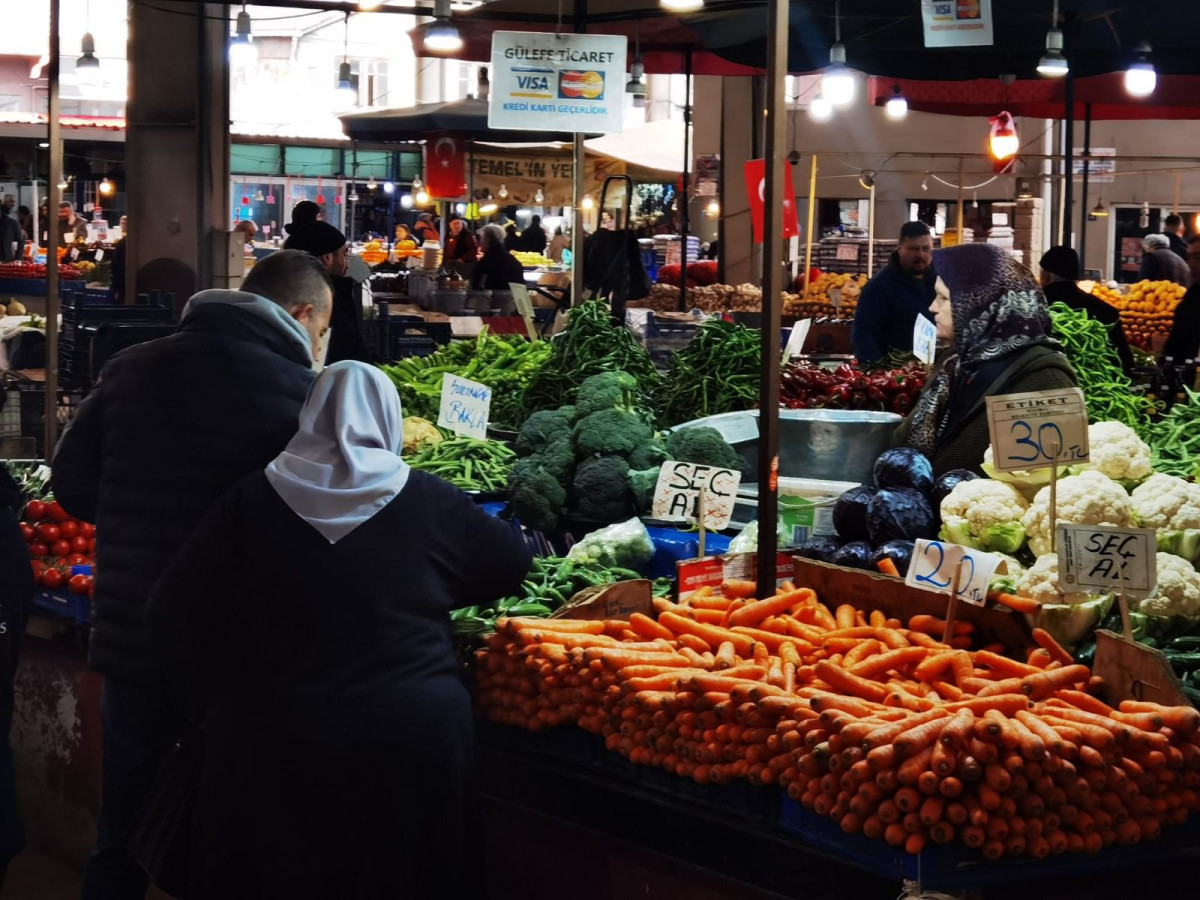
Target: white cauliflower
<point x="1085" y="499"/>
<point x="985" y="515"/>
<point x="1027" y="481"/>
<point x="1171" y="506"/>
<point x="1178" y="590"/>
<point x="1040" y="583"/>
<point x="1117" y="451"/>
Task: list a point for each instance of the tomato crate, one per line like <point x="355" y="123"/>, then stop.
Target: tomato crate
<point x="62" y="604"/>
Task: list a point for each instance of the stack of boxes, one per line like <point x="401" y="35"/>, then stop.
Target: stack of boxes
<point x="1025" y="217"/>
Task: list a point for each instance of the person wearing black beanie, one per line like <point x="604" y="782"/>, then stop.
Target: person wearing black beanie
<point x="1060" y="272"/>
<point x="326" y="243"/>
<point x="303" y="213"/>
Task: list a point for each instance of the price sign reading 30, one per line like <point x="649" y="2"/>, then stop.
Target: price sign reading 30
<point x="1027" y="428"/>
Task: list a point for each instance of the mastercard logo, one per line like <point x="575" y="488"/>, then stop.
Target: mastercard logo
<point x="581" y="85"/>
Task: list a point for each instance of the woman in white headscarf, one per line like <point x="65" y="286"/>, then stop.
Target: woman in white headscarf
<point x="310" y="609"/>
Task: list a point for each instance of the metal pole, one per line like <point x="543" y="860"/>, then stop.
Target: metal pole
<point x="1178" y="185"/>
<point x="55" y="195"/>
<point x="685" y="198"/>
<point x="1068" y="213"/>
<point x="871" y="235"/>
<point x="808" y="232"/>
<point x="768" y="420"/>
<point x="1083" y="191"/>
<point x="578" y="185"/>
<point x="961" y="179"/>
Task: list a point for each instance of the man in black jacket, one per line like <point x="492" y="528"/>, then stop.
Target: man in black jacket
<point x="170" y="425"/>
<point x="327" y="244"/>
<point x="1060" y="272"/>
<point x="890" y="303"/>
<point x="1173" y="228"/>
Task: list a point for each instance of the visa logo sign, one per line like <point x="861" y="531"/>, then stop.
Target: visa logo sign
<point x="533" y="83"/>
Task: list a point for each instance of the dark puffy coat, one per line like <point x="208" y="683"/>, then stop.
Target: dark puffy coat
<point x="170" y="426"/>
<point x="345" y="323"/>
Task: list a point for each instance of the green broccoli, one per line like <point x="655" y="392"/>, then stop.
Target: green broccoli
<point x="558" y="459"/>
<point x="610" y="431"/>
<point x="602" y="489"/>
<point x="536" y="496"/>
<point x="642" y="483"/>
<point x="608" y="390"/>
<point x="703" y="446"/>
<point x="649" y="455"/>
<point x="542" y="429"/>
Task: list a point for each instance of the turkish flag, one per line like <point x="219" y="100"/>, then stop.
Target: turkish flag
<point x="445" y="167"/>
<point x="756" y="188"/>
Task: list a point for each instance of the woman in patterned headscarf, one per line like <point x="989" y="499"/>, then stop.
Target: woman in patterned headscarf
<point x="990" y="309"/>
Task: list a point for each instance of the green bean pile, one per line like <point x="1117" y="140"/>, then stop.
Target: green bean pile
<point x="717" y="372"/>
<point x="1106" y="388"/>
<point x="590" y="344"/>
<point x="466" y="463"/>
<point x="1175" y="438"/>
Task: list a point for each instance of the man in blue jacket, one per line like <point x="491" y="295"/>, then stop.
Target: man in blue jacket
<point x="890" y="303"/>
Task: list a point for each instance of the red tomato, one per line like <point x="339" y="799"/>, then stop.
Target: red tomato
<point x="28" y="532"/>
<point x="38" y="568"/>
<point x="49" y="533"/>
<point x="52" y="579"/>
<point x="35" y="510"/>
<point x="77" y="559"/>
<point x="69" y="528"/>
<point x="87" y="529"/>
<point x="37" y="549"/>
<point x="61" y="547"/>
<point x="79" y="544"/>
<point x="56" y="512"/>
<point x="78" y="584"/>
<point x="91" y="545"/>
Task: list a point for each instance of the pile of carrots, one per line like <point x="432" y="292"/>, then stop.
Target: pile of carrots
<point x="886" y="729"/>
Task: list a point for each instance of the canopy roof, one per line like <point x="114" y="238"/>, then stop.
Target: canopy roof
<point x="466" y="118"/>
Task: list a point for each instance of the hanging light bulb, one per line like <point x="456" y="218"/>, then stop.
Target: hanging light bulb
<point x="837" y="84"/>
<point x="259" y="198"/>
<point x="406" y="201"/>
<point x="487" y="209"/>
<point x="925" y="182"/>
<point x="442" y="36"/>
<point x="422" y="197"/>
<point x="1144" y="215"/>
<point x="1140" y="77"/>
<point x="105" y="186"/>
<point x="64" y="183"/>
<point x="588" y="202"/>
<point x="372" y="185"/>
<point x="713" y="208"/>
<point x="353" y="198"/>
<point x="43" y="145"/>
<point x="242" y="52"/>
<point x="344" y="92"/>
<point x="87" y="67"/>
<point x="460" y="208"/>
<point x="897" y="105"/>
<point x="540" y="197"/>
<point x="1053" y="64"/>
<point x="1003" y="142"/>
<point x="681" y="6"/>
<point x="637" y="82"/>
<point x="820" y="109"/>
<point x="503" y="192"/>
<point x="1100" y="211"/>
<point x="388" y="187"/>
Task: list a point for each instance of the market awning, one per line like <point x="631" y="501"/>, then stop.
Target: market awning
<point x="465" y="118"/>
<point x="1176" y="97"/>
<point x="655" y="146"/>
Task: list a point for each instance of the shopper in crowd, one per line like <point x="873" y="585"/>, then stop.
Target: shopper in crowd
<point x="988" y="305"/>
<point x="1184" y="340"/>
<point x="533" y="238"/>
<point x="557" y="245"/>
<point x="25" y="218"/>
<point x="16" y="596"/>
<point x="497" y="268"/>
<point x="891" y="301"/>
<point x="1060" y="273"/>
<point x="329" y="245"/>
<point x="461" y="247"/>
<point x="116" y="282"/>
<point x="512" y="240"/>
<point x="70" y="226"/>
<point x="425" y="230"/>
<point x="247" y="229"/>
<point x="170" y="426"/>
<point x="1160" y="264"/>
<point x="305" y="212"/>
<point x="403" y="233"/>
<point x="1173" y="227"/>
<point x="10" y="231"/>
<point x="338" y="734"/>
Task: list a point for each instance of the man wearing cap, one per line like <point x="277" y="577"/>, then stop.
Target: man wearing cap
<point x="1160" y="264"/>
<point x="327" y="244"/>
<point x="303" y="213"/>
<point x="1060" y="272"/>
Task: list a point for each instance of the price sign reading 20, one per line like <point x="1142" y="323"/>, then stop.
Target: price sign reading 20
<point x="935" y="565"/>
<point x="1038" y="429"/>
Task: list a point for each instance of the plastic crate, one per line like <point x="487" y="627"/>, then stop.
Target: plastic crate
<point x="400" y="336"/>
<point x="61" y="604"/>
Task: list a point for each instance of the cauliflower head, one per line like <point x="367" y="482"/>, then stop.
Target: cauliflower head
<point x="419" y="433"/>
<point x="1089" y="498"/>
<point x="1167" y="503"/>
<point x="1177" y="592"/>
<point x="1027" y="481"/>
<point x="1117" y="451"/>
<point x="984" y="514"/>
<point x="1040" y="583"/>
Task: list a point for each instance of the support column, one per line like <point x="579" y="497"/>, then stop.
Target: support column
<point x="738" y="124"/>
<point x="177" y="151"/>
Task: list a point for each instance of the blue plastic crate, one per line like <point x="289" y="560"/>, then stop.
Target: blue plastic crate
<point x="62" y="604"/>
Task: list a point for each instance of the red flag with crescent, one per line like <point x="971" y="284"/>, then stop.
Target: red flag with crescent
<point x="445" y="167"/>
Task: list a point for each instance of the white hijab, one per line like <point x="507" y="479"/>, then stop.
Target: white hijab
<point x="343" y="465"/>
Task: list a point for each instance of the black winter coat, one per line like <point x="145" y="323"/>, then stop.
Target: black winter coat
<point x="337" y="731"/>
<point x="16" y="596"/>
<point x="887" y="311"/>
<point x="170" y="426"/>
<point x="345" y="322"/>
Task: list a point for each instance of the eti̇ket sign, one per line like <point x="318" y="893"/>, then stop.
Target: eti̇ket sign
<point x="680" y="484"/>
<point x="557" y="82"/>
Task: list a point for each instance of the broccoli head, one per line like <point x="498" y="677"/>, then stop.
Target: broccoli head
<point x="608" y="390"/>
<point x="557" y="458"/>
<point x="642" y="483"/>
<point x="610" y="431"/>
<point x="536" y="496"/>
<point x="542" y="429"/>
<point x="703" y="446"/>
<point x="649" y="455"/>
<point x="602" y="489"/>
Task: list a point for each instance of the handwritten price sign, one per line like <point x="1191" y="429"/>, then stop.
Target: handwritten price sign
<point x="1026" y="428"/>
<point x="465" y="406"/>
<point x="1099" y="559"/>
<point x="677" y="493"/>
<point x="934" y="566"/>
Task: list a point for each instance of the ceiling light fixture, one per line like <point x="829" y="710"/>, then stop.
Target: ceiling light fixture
<point x="422" y="197"/>
<point x="1100" y="211"/>
<point x="820" y="108"/>
<point x="897" y="105"/>
<point x="345" y="93"/>
<point x="503" y="192"/>
<point x="106" y="186"/>
<point x="487" y="209"/>
<point x="681" y="6"/>
<point x="442" y="36"/>
<point x="87" y="67"/>
<point x="388" y="187"/>
<point x="1003" y="142"/>
<point x="1140" y="77"/>
<point x="1053" y="63"/>
<point x="540" y="197"/>
<point x="637" y="72"/>
<point x="837" y="82"/>
<point x="588" y="202"/>
<point x="242" y="52"/>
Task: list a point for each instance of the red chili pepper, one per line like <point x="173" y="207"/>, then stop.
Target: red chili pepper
<point x="901" y="404"/>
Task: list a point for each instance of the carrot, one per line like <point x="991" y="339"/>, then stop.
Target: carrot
<point x="708" y="616"/>
<point x="1047" y="642"/>
<point x="931" y="810"/>
<point x="708" y="601"/>
<point x="585" y="626"/>
<point x="918" y="737"/>
<point x="893" y="659"/>
<point x="1079" y="717"/>
<point x="1039" y="657"/>
<point x="844" y="616"/>
<point x="914" y="844"/>
<point x="823" y="617"/>
<point x="886" y="733"/>
<point x="753" y="613"/>
<point x="1047" y="682"/>
<point x="712" y="634"/>
<point x="1004" y="665"/>
<point x="769" y="639"/>
<point x="1032" y="746"/>
<point x="962" y="666"/>
<point x="823" y="701"/>
<point x="955" y="734"/>
<point x="859" y="652"/>
<point x="930" y="625"/>
<point x="1005" y="703"/>
<point x="739" y="589"/>
<point x="946" y="690"/>
<point x="710" y="681"/>
<point x="847" y="683"/>
<point x="618" y="658"/>
<point x="920" y="639"/>
<point x="726" y="656"/>
<point x="628" y="672"/>
<point x="933" y="665"/>
<point x="789" y="653"/>
<point x="692" y="642"/>
<point x="1088" y="703"/>
<point x="1015" y="603"/>
<point x="876" y="618"/>
<point x="888" y="567"/>
<point x="806" y="633"/>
